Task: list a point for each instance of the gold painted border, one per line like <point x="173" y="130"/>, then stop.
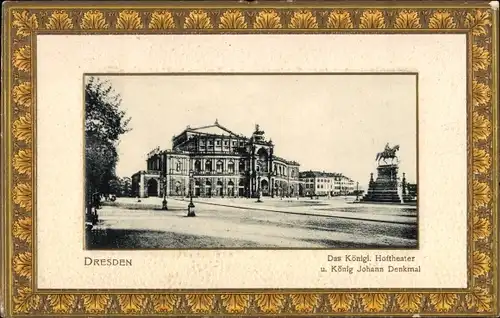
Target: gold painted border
<point x="24" y="20"/>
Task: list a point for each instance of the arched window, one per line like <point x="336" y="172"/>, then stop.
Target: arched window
<point x="262" y="161"/>
<point x="293" y="173"/>
<point x="208" y="165"/>
<point x="178" y="166"/>
<point x="263" y="155"/>
<point x="197" y="166"/>
<point x="220" y="166"/>
<point x="242" y="165"/>
<point x="230" y="166"/>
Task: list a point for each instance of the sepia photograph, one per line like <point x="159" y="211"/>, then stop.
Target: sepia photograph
<point x="251" y="161"/>
<point x="250" y="158"/>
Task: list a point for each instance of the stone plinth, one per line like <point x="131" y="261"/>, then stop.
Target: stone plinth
<point x="385" y="187"/>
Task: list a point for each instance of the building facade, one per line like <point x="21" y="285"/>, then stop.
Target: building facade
<point x="319" y="183"/>
<point x="214" y="161"/>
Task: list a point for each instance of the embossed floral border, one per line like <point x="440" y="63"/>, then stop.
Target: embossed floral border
<point x="24" y="20"/>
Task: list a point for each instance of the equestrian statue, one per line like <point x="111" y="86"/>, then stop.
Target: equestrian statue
<point x="388" y="153"/>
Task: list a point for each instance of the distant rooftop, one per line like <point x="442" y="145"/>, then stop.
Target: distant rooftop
<point x="214" y="129"/>
<point x="320" y="174"/>
<point x="286" y="161"/>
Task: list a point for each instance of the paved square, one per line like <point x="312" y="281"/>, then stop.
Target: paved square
<point x="244" y="223"/>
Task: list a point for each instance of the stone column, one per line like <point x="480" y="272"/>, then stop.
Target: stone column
<point x="214" y="185"/>
<point x="141" y="186"/>
<point x="236" y="187"/>
<point x="270" y="161"/>
<point x="158" y="187"/>
<point x="271" y="186"/>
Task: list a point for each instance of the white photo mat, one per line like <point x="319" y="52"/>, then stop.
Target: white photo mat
<point x="61" y="63"/>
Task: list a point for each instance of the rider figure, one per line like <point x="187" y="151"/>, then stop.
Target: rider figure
<point x="387" y="148"/>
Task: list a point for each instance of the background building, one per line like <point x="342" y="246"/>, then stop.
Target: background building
<point x="223" y="163"/>
<point x="326" y="183"/>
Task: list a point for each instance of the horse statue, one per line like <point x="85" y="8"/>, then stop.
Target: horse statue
<point x="388" y="153"/>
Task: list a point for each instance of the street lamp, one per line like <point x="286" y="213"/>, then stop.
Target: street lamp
<point x="272" y="174"/>
<point x="357" y="191"/>
<point x="191" y="204"/>
<point x="258" y="187"/>
<point x="164" y="202"/>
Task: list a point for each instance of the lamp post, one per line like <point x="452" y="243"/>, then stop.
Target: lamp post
<point x="357" y="191"/>
<point x="191" y="204"/>
<point x="164" y="202"/>
<point x="272" y="174"/>
<point x="258" y="187"/>
<point x="405" y="192"/>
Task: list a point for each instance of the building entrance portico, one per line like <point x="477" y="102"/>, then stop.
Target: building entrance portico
<point x="219" y="189"/>
<point x="153" y="188"/>
<point x="208" y="189"/>
<point x="230" y="189"/>
<point x="264" y="187"/>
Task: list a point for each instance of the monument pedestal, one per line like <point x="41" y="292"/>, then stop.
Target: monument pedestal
<point x="385" y="187"/>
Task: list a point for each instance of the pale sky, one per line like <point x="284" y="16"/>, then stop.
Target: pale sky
<point x="333" y="123"/>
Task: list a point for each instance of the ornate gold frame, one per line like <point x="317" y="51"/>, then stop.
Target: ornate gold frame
<point x="22" y="21"/>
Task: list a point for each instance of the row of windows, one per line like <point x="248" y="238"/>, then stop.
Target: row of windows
<point x="318" y="180"/>
<point x="318" y="186"/>
<point x="326" y="181"/>
<point x="282" y="170"/>
<point x="325" y="186"/>
<point x="154" y="164"/>
<point x="218" y="143"/>
<point x="219" y="166"/>
<point x="279" y="169"/>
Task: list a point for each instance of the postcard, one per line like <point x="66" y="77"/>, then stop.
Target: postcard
<point x="250" y="158"/>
